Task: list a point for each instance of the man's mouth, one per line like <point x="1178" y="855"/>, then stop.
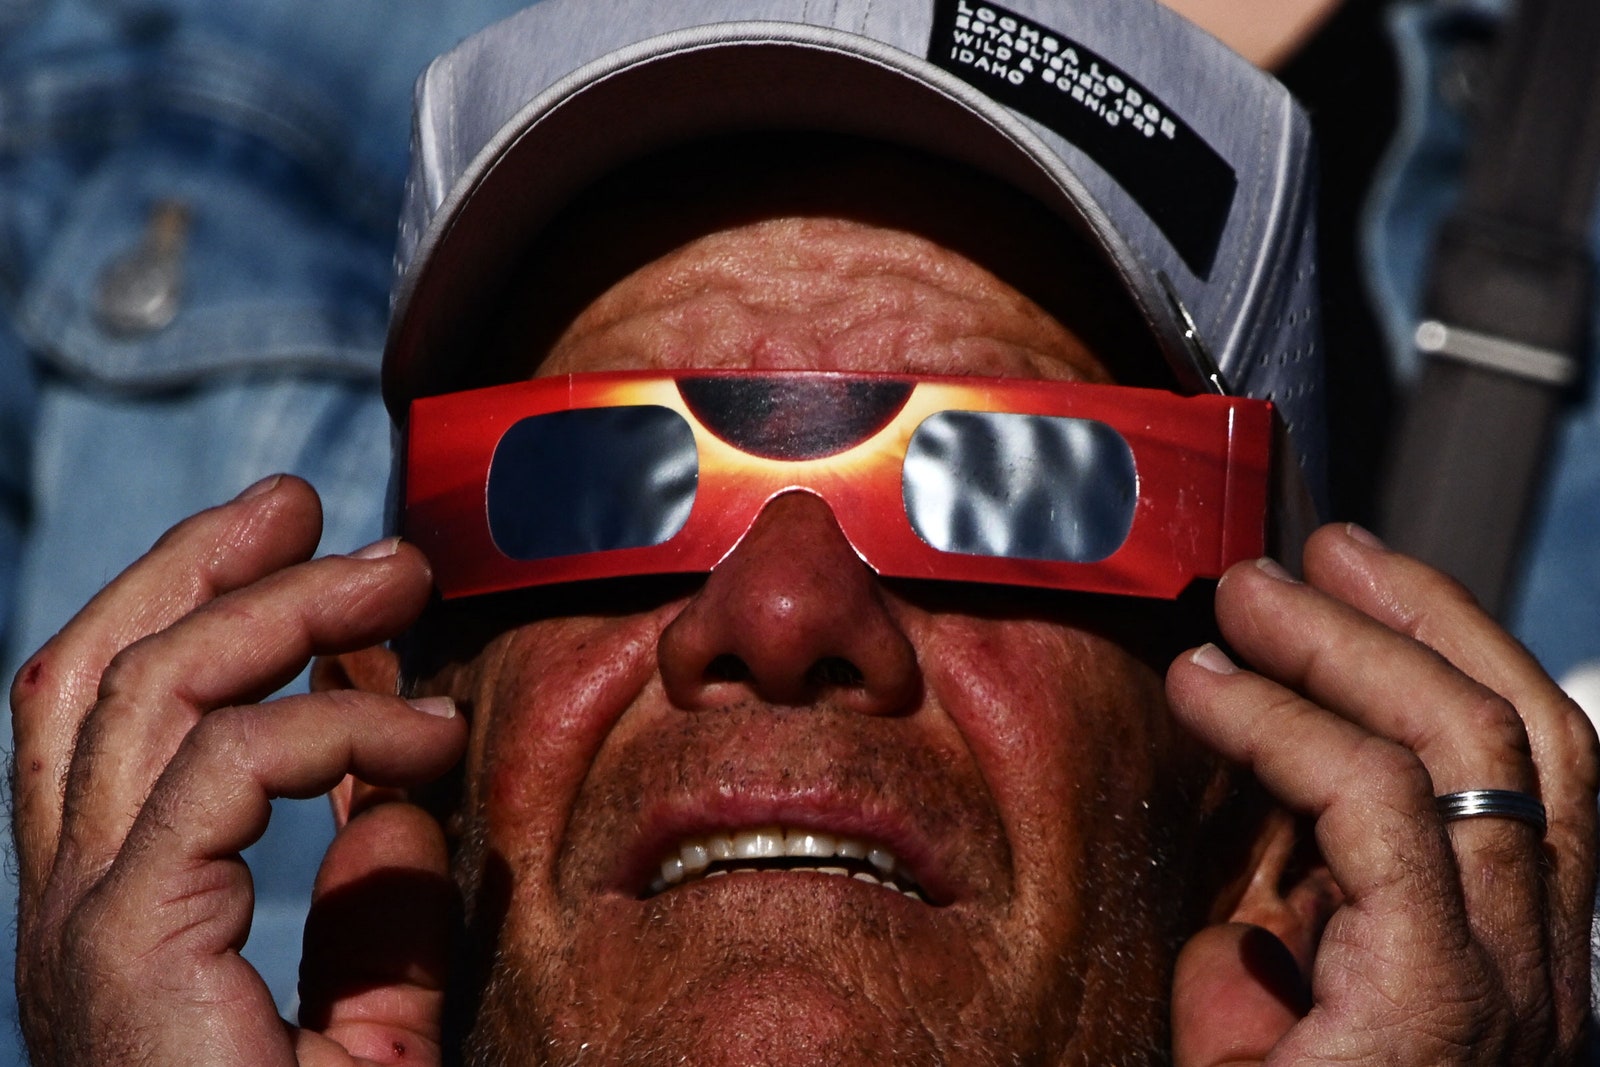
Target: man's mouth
<point x="776" y="849"/>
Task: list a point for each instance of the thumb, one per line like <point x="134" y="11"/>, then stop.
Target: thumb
<point x="1236" y="992"/>
<point x="377" y="941"/>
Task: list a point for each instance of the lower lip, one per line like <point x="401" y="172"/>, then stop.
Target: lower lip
<point x="772" y="880"/>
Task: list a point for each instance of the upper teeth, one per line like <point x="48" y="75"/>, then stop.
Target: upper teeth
<point x="694" y="857"/>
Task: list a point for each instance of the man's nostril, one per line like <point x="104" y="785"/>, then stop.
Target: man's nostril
<point x="835" y="672"/>
<point x="727" y="668"/>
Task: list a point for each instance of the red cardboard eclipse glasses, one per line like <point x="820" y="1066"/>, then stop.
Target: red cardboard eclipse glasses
<point x="1062" y="485"/>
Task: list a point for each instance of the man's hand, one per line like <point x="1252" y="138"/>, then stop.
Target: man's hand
<point x="145" y="762"/>
<point x="1377" y="685"/>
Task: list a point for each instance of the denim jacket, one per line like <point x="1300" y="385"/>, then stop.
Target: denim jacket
<point x="197" y="204"/>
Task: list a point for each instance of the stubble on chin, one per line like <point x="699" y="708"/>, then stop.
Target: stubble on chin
<point x="842" y="992"/>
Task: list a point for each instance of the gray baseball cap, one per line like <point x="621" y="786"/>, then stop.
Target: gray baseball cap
<point x="1183" y="164"/>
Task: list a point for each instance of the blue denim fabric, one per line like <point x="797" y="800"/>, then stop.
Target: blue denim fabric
<point x="1557" y="607"/>
<point x="281" y="127"/>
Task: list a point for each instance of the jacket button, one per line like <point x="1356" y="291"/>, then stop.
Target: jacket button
<point x="139" y="292"/>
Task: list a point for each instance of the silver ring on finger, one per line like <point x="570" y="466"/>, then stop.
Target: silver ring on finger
<point x="1496" y="803"/>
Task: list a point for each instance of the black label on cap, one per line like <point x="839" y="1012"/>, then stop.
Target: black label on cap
<point x="1181" y="182"/>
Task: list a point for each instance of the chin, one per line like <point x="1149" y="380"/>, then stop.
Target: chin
<point x="757" y="1016"/>
<point x="813" y="987"/>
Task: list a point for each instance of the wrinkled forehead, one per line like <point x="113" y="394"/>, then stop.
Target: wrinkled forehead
<point x="646" y="213"/>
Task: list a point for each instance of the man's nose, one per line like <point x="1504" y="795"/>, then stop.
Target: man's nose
<point x="791" y="616"/>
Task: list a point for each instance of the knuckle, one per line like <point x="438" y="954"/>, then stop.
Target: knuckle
<point x="225" y="737"/>
<point x="1397" y="774"/>
<point x="350" y="702"/>
<point x="234" y="611"/>
<point x="1284" y="705"/>
<point x="90" y="941"/>
<point x="1489" y="725"/>
<point x="130" y="672"/>
<point x="1445" y="588"/>
<point x="30" y="681"/>
<point x="104" y="720"/>
<point x="37" y="709"/>
<point x="86" y="932"/>
<point x="196" y="536"/>
<point x="1439" y="596"/>
<point x="1579" y="746"/>
<point x="1434" y="606"/>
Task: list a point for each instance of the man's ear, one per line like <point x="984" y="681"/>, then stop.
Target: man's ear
<point x="1289" y="892"/>
<point x="372" y="670"/>
<point x="1243" y="981"/>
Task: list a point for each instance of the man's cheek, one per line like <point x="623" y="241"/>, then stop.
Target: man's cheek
<point x="1021" y="698"/>
<point x="549" y="712"/>
<point x="1066" y="729"/>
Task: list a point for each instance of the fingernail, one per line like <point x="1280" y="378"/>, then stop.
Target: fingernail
<point x="1213" y="659"/>
<point x="1363" y="536"/>
<point x="1273" y="569"/>
<point x="261" y="488"/>
<point x="378" y="549"/>
<point x="438" y="707"/>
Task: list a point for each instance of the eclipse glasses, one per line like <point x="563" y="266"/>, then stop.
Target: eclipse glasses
<point x="1060" y="485"/>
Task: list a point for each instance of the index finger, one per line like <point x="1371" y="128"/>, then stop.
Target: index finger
<point x="273" y="524"/>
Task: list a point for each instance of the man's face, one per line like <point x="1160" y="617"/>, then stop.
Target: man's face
<point x="1006" y="755"/>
